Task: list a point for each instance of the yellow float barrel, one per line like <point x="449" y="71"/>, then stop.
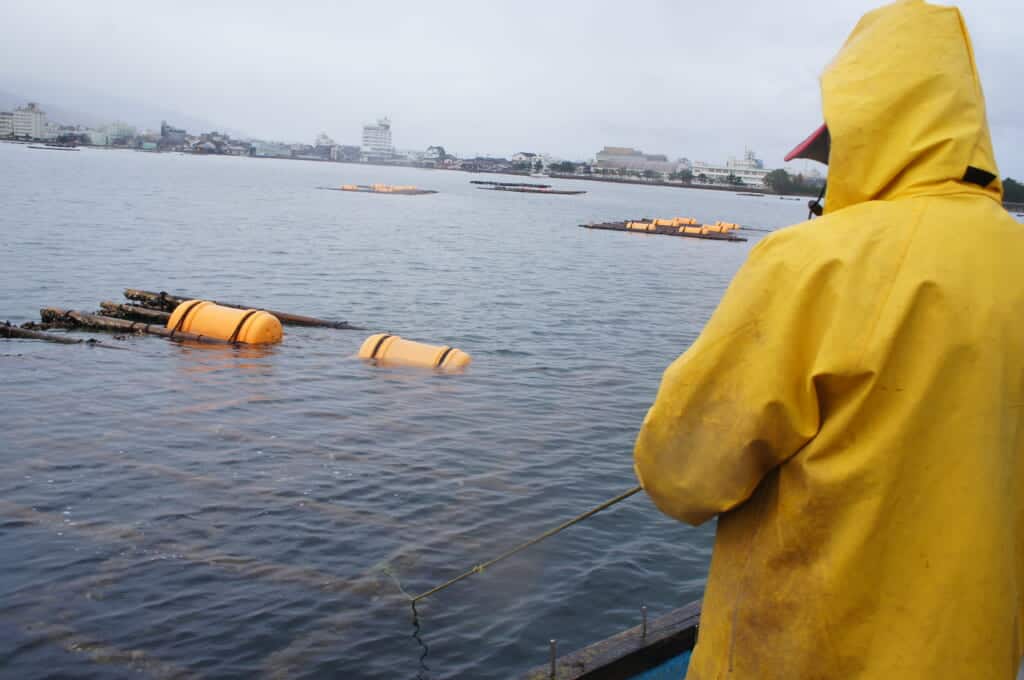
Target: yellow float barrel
<point x="249" y="326"/>
<point x="690" y="230"/>
<point x="392" y="349"/>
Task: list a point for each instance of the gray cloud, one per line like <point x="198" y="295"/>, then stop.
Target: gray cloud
<point x="700" y="80"/>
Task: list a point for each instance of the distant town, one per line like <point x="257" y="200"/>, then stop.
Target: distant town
<point x="29" y="123"/>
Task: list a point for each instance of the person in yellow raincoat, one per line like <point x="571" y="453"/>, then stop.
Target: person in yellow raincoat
<point x="853" y="412"/>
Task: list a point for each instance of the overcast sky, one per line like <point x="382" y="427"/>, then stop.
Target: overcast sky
<point x="695" y="79"/>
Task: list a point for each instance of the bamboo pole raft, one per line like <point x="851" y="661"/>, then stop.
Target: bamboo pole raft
<point x="533" y="190"/>
<point x="167" y="302"/>
<point x="510" y="184"/>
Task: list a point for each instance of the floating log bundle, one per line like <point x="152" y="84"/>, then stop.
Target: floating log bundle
<point x="134" y="312"/>
<point x="9" y="331"/>
<point x="154" y="314"/>
<point x="76" y="319"/>
<point x="401" y="190"/>
<point x="676" y="226"/>
<point x="167" y="302"/>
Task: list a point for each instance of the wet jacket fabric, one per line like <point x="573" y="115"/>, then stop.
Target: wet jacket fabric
<point x="852" y="412"/>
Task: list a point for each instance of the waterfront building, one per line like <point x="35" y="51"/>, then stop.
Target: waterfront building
<point x="345" y="153"/>
<point x="6" y="124"/>
<point x="750" y="169"/>
<point x="170" y="136"/>
<point x="484" y="164"/>
<point x="262" y="149"/>
<point x="119" y="134"/>
<point x="98" y="137"/>
<point x="30" y="121"/>
<point x="627" y="158"/>
<point x="377" y="141"/>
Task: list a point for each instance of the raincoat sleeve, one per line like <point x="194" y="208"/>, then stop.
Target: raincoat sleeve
<point x="740" y="400"/>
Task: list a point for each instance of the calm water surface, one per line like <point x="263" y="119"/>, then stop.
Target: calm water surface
<point x="172" y="511"/>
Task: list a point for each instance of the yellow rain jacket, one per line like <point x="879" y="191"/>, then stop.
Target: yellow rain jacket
<point x="853" y="410"/>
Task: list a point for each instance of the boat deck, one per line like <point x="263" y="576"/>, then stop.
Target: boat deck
<point x="659" y="650"/>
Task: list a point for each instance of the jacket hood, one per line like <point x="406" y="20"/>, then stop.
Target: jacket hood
<point x="905" y="110"/>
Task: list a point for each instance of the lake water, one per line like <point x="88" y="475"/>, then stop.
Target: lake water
<point x="244" y="512"/>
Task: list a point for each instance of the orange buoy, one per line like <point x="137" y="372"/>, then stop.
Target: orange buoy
<point x="392" y="349"/>
<point x="640" y="226"/>
<point x="249" y="326"/>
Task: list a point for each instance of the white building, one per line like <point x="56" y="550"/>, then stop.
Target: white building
<point x="30" y="121"/>
<point x="377" y="141"/>
<point x="750" y="169"/>
<point x="98" y="137"/>
<point x="627" y="158"/>
<point x="6" y="124"/>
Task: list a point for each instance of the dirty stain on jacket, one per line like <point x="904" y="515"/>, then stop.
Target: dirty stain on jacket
<point x="853" y="410"/>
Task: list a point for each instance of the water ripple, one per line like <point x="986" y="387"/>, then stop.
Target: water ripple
<point x="184" y="511"/>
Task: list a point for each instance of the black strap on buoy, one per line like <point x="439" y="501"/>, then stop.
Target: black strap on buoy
<point x="245" y="317"/>
<point x="184" y="315"/>
<point x="444" y="355"/>
<point x="376" y="348"/>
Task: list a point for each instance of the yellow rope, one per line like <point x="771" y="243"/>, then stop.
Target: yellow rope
<point x="550" y="532"/>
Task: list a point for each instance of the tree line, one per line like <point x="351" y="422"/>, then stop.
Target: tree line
<point x="781" y="182"/>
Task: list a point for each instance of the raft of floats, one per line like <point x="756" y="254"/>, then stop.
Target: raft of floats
<point x="674" y="226"/>
<point x="402" y="190"/>
<point x="189" y="319"/>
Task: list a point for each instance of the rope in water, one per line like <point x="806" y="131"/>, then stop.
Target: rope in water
<point x="550" y="532"/>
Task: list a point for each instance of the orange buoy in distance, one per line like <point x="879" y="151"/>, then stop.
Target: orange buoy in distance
<point x="393" y="349"/>
<point x="249" y="326"/>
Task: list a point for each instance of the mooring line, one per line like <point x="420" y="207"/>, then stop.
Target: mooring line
<point x="523" y="546"/>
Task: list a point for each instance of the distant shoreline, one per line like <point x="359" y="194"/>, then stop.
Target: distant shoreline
<point x="740" y="189"/>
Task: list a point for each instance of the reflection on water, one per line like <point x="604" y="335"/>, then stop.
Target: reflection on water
<point x="424" y="668"/>
<point x="197" y="358"/>
<point x="214" y="511"/>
